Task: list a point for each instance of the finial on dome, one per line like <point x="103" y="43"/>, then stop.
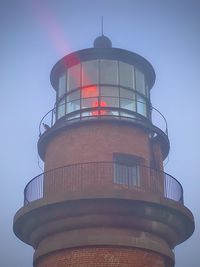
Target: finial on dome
<point x="102" y="42"/>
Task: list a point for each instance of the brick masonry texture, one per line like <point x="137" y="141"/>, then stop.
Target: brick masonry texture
<point x="102" y="257"/>
<point x="96" y="142"/>
<point x="90" y="143"/>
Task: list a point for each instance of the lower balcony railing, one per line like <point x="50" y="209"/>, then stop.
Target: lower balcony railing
<point x="103" y="175"/>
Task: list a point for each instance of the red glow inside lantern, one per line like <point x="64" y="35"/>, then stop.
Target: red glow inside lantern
<point x="99" y="104"/>
<point x="90" y="91"/>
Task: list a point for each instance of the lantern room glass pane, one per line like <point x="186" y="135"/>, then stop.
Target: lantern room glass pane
<point x="126" y="75"/>
<point x="127" y="104"/>
<point x="73" y="101"/>
<point x="90" y="72"/>
<point x="73" y="105"/>
<point x="109" y="91"/>
<point x="90" y="91"/>
<point x="73" y="80"/>
<point x="91" y="102"/>
<point x="109" y="102"/>
<point x="127" y="99"/>
<point x="73" y="96"/>
<point x="125" y="93"/>
<point x="141" y="106"/>
<point x="147" y="90"/>
<point x="62" y="85"/>
<point x="140" y="82"/>
<point x="61" y="109"/>
<point x="108" y="72"/>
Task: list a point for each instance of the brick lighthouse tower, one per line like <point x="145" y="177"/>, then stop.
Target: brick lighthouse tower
<point x="104" y="199"/>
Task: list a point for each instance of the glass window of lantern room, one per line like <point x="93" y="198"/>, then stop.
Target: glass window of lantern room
<point x="126" y="75"/>
<point x="112" y="91"/>
<point x="61" y="109"/>
<point x="108" y="72"/>
<point x="110" y="101"/>
<point x="126" y="170"/>
<point x="91" y="102"/>
<point x="127" y="99"/>
<point x="109" y="98"/>
<point x="90" y="72"/>
<point x="140" y="82"/>
<point x="73" y="101"/>
<point x="141" y="105"/>
<point x="73" y="77"/>
<point x="62" y="85"/>
<point x="147" y="90"/>
<point x="90" y="91"/>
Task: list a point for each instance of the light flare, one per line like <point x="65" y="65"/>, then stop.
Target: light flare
<point x="52" y="28"/>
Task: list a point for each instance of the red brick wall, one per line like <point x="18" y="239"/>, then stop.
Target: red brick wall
<point x="157" y="156"/>
<point x="96" y="142"/>
<point x="102" y="257"/>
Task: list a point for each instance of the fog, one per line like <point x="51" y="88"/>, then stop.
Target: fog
<point x="34" y="35"/>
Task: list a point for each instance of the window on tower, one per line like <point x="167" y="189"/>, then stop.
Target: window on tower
<point x="126" y="169"/>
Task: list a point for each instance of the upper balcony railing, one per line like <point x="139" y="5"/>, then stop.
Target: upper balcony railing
<point x="142" y="112"/>
<point x="101" y="176"/>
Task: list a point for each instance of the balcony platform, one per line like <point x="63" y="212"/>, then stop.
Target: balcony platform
<point x="96" y="213"/>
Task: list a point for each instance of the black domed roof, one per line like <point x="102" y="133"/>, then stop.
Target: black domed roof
<point x="102" y="42"/>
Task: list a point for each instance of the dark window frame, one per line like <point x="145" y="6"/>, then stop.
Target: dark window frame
<point x="127" y="169"/>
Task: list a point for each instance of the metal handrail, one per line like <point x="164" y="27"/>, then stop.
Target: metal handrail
<point x="50" y="117"/>
<point x="80" y="177"/>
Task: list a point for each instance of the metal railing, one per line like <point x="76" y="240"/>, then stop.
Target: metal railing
<point x="152" y="115"/>
<point x="103" y="175"/>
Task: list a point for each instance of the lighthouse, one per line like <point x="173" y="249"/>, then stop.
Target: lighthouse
<point x="104" y="199"/>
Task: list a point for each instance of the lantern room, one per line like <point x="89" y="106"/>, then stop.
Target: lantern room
<point x="102" y="81"/>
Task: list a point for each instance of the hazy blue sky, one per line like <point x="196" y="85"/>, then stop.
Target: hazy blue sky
<point x="34" y="35"/>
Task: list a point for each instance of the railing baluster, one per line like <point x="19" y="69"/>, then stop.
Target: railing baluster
<point x="85" y="176"/>
<point x="156" y="118"/>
